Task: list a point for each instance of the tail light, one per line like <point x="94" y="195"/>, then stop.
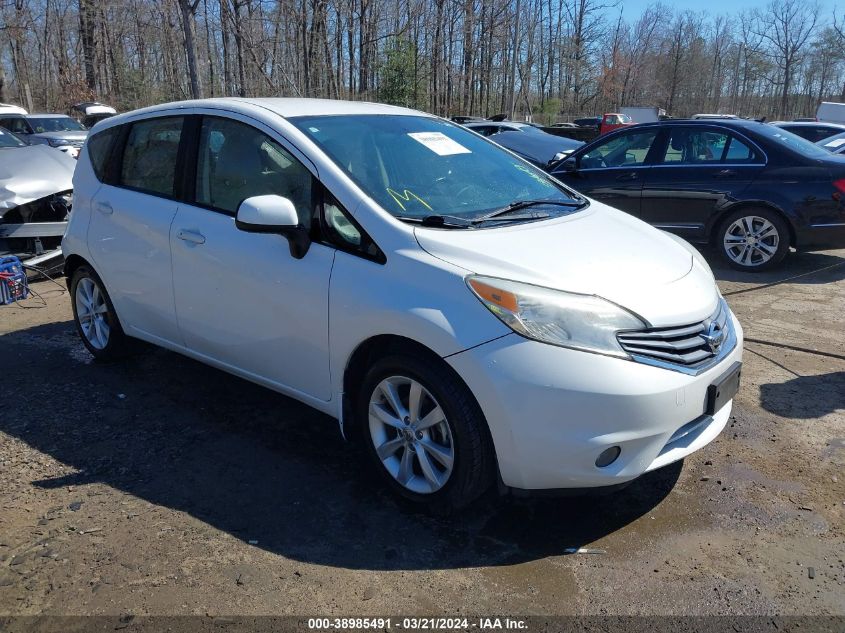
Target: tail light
<point x="840" y="186"/>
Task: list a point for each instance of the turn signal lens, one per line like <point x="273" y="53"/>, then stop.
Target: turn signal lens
<point x="496" y="296"/>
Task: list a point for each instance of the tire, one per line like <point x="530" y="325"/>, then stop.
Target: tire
<point x="753" y="240"/>
<point x="103" y="337"/>
<point x="462" y="433"/>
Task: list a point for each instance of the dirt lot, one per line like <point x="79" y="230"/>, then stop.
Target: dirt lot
<point x="161" y="486"/>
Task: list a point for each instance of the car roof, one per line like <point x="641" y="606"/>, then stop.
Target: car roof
<point x="285" y="107"/>
<point x="45" y="115"/>
<point x="487" y="122"/>
<point x="727" y="123"/>
<point x="838" y="126"/>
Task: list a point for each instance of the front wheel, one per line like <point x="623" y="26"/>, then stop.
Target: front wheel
<point x="425" y="433"/>
<point x="753" y="239"/>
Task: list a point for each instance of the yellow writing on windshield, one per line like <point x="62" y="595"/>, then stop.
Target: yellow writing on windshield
<point x="407" y="195"/>
<point x="534" y="175"/>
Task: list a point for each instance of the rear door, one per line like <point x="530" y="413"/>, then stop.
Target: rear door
<point x="614" y="171"/>
<point x="129" y="231"/>
<point x="699" y="170"/>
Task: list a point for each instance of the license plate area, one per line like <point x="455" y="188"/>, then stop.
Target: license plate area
<point x="724" y="389"/>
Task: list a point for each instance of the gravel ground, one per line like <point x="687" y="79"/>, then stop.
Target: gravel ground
<point x="161" y="486"/>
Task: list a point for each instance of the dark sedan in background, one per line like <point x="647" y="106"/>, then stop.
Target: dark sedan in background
<point x="813" y="131"/>
<point x="541" y="149"/>
<point x="834" y="144"/>
<point x="528" y="141"/>
<point x="751" y="189"/>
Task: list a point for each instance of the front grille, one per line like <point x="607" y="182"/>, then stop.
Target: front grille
<point x="687" y="345"/>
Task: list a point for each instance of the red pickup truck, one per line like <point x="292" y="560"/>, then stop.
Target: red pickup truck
<point x="612" y="120"/>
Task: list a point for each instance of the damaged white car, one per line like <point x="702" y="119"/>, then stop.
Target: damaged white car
<point x="35" y="200"/>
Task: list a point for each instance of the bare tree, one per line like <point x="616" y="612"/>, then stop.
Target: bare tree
<point x="786" y="26"/>
<point x="188" y="10"/>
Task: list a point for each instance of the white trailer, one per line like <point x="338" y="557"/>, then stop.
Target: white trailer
<point x="644" y="114"/>
<point x="831" y="112"/>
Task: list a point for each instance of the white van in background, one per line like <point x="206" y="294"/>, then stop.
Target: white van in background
<point x="831" y="112"/>
<point x="646" y="114"/>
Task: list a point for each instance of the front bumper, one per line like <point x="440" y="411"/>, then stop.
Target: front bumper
<point x="552" y="411"/>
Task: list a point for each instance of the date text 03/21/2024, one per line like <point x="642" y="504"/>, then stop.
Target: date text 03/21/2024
<point x="422" y="623"/>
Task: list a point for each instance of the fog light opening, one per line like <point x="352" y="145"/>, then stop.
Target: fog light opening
<point x="608" y="456"/>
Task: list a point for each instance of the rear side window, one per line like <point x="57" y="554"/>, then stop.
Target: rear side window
<point x="99" y="150"/>
<point x="739" y="152"/>
<point x="690" y="146"/>
<point x="149" y="157"/>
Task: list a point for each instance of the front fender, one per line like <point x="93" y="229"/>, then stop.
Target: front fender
<point x="414" y="296"/>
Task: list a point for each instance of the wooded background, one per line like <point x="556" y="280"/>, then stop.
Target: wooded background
<point x="548" y="59"/>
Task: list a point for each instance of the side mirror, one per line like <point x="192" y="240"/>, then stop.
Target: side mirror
<point x="274" y="214"/>
<point x="570" y="165"/>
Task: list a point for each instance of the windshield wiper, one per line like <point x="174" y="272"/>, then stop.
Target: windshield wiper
<point x="523" y="204"/>
<point x="439" y="221"/>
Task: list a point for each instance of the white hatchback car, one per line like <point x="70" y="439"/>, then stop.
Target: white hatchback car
<point x="468" y="317"/>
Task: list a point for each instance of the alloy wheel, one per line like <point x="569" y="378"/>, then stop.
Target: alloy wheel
<point x="91" y="311"/>
<point x="411" y="435"/>
<point x="751" y="241"/>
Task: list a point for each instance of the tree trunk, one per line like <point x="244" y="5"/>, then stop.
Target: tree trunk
<point x="86" y="36"/>
<point x="188" y="10"/>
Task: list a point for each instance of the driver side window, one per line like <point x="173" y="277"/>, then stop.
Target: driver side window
<point x="621" y="151"/>
<point x="237" y="161"/>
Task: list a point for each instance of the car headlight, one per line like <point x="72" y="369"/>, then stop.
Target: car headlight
<point x="56" y="142"/>
<point x="567" y="319"/>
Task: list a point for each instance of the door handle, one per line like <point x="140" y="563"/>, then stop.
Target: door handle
<point x="191" y="236"/>
<point x="725" y="173"/>
<point x="629" y="176"/>
<point x="104" y="207"/>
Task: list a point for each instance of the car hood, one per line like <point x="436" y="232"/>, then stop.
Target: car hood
<point x="63" y="136"/>
<point x="32" y="172"/>
<point x="598" y="251"/>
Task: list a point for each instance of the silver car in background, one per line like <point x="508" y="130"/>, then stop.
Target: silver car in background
<point x="35" y="200"/>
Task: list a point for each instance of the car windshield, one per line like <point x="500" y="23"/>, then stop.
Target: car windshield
<point x="416" y="166"/>
<point x="791" y="141"/>
<point x="7" y="139"/>
<point x="832" y="143"/>
<point x="55" y="124"/>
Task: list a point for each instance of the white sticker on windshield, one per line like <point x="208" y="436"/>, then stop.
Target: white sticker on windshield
<point x="836" y="143"/>
<point x="439" y="143"/>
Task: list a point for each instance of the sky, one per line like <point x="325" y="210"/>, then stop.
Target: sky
<point x="633" y="8"/>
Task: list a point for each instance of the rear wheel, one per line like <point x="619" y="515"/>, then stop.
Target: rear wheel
<point x="95" y="318"/>
<point x="753" y="239"/>
<point x="425" y="433"/>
